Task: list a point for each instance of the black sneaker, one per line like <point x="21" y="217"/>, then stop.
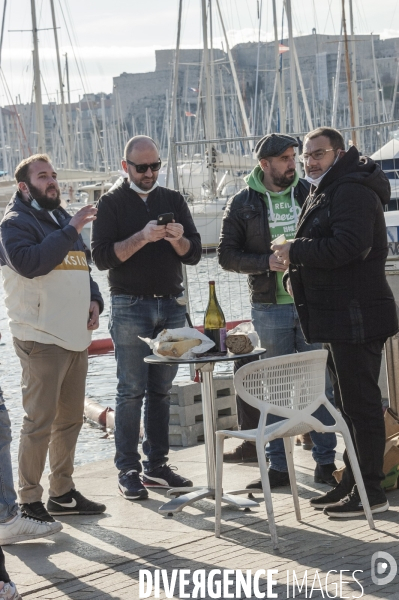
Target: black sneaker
<point x="165" y="477"/>
<point x="276" y="479"/>
<point x="331" y="497"/>
<point x="351" y="505"/>
<point x="131" y="487"/>
<point x="324" y="474"/>
<point x="37" y="510"/>
<point x="73" y="503"/>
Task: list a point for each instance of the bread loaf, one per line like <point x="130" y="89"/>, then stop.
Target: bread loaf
<point x="177" y="349"/>
<point x="239" y="343"/>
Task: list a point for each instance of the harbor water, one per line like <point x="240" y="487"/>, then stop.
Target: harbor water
<point x="95" y="444"/>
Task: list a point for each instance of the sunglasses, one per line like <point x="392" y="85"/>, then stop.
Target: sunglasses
<point x="144" y="168"/>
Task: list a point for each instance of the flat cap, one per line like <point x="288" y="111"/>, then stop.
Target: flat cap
<point x="274" y="144"/>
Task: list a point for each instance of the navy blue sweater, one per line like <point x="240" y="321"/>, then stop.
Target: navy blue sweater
<point x="32" y="244"/>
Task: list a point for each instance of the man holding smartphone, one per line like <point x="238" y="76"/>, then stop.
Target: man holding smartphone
<point x="143" y="234"/>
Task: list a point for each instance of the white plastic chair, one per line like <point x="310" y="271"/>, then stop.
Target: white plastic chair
<point x="290" y="386"/>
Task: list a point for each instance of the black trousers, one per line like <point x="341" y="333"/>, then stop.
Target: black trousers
<point x="247" y="415"/>
<point x="354" y="371"/>
<point x="3" y="573"/>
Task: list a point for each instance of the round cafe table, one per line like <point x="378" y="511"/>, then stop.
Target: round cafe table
<point x="185" y="496"/>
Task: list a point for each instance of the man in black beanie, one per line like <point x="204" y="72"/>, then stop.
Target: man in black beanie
<point x="268" y="208"/>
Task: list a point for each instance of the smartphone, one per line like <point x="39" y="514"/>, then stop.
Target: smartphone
<point x="165" y="218"/>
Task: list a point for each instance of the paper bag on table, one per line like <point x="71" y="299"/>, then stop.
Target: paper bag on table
<point x="180" y="343"/>
<point x="242" y="339"/>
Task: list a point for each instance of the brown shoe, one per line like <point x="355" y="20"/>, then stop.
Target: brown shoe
<point x="305" y="441"/>
<point x="245" y="452"/>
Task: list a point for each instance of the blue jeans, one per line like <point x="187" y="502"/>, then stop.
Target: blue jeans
<point x="280" y="333"/>
<point x="8" y="497"/>
<point x="133" y="316"/>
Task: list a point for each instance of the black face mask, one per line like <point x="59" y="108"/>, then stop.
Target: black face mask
<point x="43" y="201"/>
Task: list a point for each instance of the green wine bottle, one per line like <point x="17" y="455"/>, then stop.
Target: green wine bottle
<point x="214" y="321"/>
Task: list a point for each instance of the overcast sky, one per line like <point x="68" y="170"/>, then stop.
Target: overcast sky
<point x="107" y="37"/>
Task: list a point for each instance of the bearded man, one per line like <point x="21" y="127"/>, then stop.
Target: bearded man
<point x="267" y="208"/>
<point x="53" y="305"/>
<point x="338" y="282"/>
<point x="144" y="261"/>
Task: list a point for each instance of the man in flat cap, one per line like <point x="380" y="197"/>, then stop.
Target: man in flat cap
<point x="268" y="207"/>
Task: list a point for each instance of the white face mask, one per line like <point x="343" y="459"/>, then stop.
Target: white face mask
<point x="141" y="192"/>
<point x="316" y="182"/>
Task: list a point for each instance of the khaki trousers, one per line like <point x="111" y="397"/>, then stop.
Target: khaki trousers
<point x="53" y="389"/>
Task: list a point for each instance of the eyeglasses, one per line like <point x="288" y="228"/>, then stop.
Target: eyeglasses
<point x="316" y="155"/>
<point x="144" y="168"/>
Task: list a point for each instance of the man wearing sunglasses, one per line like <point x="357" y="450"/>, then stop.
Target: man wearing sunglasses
<point x="337" y="277"/>
<point x="145" y="277"/>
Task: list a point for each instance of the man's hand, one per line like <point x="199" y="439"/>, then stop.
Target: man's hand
<point x="175" y="236"/>
<point x="153" y="232"/>
<point x="94" y="316"/>
<point x="276" y="264"/>
<point x="288" y="287"/>
<point x="282" y="252"/>
<point x="174" y="232"/>
<point x="83" y="216"/>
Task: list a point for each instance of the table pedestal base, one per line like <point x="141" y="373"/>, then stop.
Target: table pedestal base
<point x="179" y="502"/>
<point x="245" y="491"/>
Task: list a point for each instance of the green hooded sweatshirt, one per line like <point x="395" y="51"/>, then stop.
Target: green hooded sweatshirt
<point x="283" y="212"/>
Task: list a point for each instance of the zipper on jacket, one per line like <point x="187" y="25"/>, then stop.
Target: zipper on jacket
<point x="267" y="228"/>
<point x="311" y="209"/>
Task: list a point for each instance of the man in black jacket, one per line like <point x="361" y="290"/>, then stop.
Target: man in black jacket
<point x="337" y="276"/>
<point x="145" y="278"/>
<point x="267" y="208"/>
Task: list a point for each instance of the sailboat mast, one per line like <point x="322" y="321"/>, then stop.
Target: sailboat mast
<point x="234" y="74"/>
<point x="63" y="109"/>
<point x="294" y="93"/>
<point x="355" y="92"/>
<point x="208" y="107"/>
<point x="210" y="134"/>
<point x="257" y="70"/>
<point x="304" y="98"/>
<point x="171" y="131"/>
<point x="212" y="70"/>
<point x="336" y="83"/>
<point x="280" y="96"/>
<point x="395" y="92"/>
<point x="41" y="144"/>
<point x="348" y="75"/>
<point x="377" y="91"/>
<point x="105" y="137"/>
<point x="3" y="142"/>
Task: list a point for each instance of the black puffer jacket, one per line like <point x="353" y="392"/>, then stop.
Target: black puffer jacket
<point x="337" y="266"/>
<point x="244" y="245"/>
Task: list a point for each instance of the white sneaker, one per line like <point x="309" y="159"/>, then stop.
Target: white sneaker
<point x="10" y="592"/>
<point x="22" y="528"/>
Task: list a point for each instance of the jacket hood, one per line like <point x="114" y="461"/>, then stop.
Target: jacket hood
<point x="353" y="168"/>
<point x="255" y="181"/>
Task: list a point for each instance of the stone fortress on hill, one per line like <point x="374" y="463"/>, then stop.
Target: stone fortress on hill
<point x="100" y="124"/>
